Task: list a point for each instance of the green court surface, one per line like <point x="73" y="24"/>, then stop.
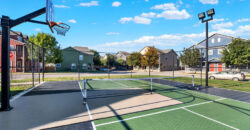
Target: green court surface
<point x="198" y="111"/>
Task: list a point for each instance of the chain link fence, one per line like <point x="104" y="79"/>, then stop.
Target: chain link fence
<point x="26" y="66"/>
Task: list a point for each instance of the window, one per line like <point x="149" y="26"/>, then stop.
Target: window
<point x="219" y="39"/>
<point x="20" y="38"/>
<point x="19" y="64"/>
<point x="19" y="50"/>
<point x="84" y="66"/>
<point x="73" y="66"/>
<point x="212" y="40"/>
<point x="81" y="57"/>
<point x="220" y="51"/>
<point x="210" y="52"/>
<point x="58" y="65"/>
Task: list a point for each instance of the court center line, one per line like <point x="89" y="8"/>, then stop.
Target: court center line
<point x="218" y="122"/>
<point x="87" y="107"/>
<point x="155" y="113"/>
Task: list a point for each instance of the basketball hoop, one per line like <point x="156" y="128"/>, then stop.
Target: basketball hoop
<point x="61" y="28"/>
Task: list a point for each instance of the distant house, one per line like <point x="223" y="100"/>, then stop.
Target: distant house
<point x="167" y="59"/>
<point x="216" y="44"/>
<point x="75" y="58"/>
<point x="122" y="55"/>
<point x="19" y="62"/>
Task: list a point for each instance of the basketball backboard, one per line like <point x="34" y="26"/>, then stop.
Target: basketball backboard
<point x="50" y="13"/>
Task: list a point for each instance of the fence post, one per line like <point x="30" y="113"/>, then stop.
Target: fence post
<point x="39" y="63"/>
<point x="43" y="64"/>
<point x="151" y="85"/>
<point x="193" y="80"/>
<point x="32" y="64"/>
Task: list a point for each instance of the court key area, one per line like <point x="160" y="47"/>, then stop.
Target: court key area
<point x="117" y="104"/>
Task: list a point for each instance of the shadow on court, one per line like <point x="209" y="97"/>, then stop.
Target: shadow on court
<point x="54" y="104"/>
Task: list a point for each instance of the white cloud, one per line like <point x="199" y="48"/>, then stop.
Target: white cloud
<point x="243" y="20"/>
<point x="142" y="20"/>
<point x="38" y="29"/>
<point x="148" y="15"/>
<point x="72" y="21"/>
<point x="209" y="1"/>
<point x="217" y="20"/>
<point x="245" y="28"/>
<point x="112" y="33"/>
<point x="169" y="41"/>
<point x="91" y="3"/>
<point x="166" y="6"/>
<point x="116" y="4"/>
<point x="126" y="19"/>
<point x="170" y="11"/>
<point x="136" y="19"/>
<point x="180" y="2"/>
<point x="174" y="14"/>
<point x="61" y="6"/>
<point x="165" y="41"/>
<point x="146" y="0"/>
<point x="222" y="25"/>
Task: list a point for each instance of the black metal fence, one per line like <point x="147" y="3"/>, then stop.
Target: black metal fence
<point x="26" y="67"/>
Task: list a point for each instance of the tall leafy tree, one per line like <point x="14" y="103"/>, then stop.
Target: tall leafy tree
<point x="134" y="59"/>
<point x="150" y="58"/>
<point x="120" y="62"/>
<point x="225" y="57"/>
<point x="237" y="54"/>
<point x="190" y="57"/>
<point x="109" y="61"/>
<point x="51" y="47"/>
<point x="97" y="58"/>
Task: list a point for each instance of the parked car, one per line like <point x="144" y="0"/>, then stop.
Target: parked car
<point x="232" y="75"/>
<point x="104" y="69"/>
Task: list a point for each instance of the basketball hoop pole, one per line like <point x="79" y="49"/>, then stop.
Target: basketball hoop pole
<point x="7" y="24"/>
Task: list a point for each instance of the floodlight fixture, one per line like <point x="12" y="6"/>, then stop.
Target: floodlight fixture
<point x="201" y="15"/>
<point x="210" y="12"/>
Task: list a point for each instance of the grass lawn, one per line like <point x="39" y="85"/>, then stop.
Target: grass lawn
<point x="99" y="77"/>
<point x="17" y="89"/>
<point x="227" y="84"/>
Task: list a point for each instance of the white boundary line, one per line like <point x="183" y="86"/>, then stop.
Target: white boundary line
<point x="87" y="107"/>
<point x="155" y="113"/>
<point x="23" y="93"/>
<point x="218" y="122"/>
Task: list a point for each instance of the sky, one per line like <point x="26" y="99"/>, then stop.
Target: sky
<point x="129" y="25"/>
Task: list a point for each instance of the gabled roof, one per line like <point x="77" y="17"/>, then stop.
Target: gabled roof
<point x="159" y="50"/>
<point x="84" y="50"/>
<point x="214" y="35"/>
<point x="123" y="52"/>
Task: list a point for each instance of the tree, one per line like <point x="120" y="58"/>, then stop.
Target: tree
<point x="225" y="57"/>
<point x="52" y="51"/>
<point x="97" y="58"/>
<point x="134" y="59"/>
<point x="190" y="57"/>
<point x="237" y="54"/>
<point x="120" y="62"/>
<point x="109" y="61"/>
<point x="150" y="58"/>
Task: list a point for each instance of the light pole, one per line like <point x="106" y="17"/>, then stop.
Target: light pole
<point x="202" y="16"/>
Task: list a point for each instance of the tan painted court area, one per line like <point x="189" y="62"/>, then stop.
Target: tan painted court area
<point x="115" y="106"/>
